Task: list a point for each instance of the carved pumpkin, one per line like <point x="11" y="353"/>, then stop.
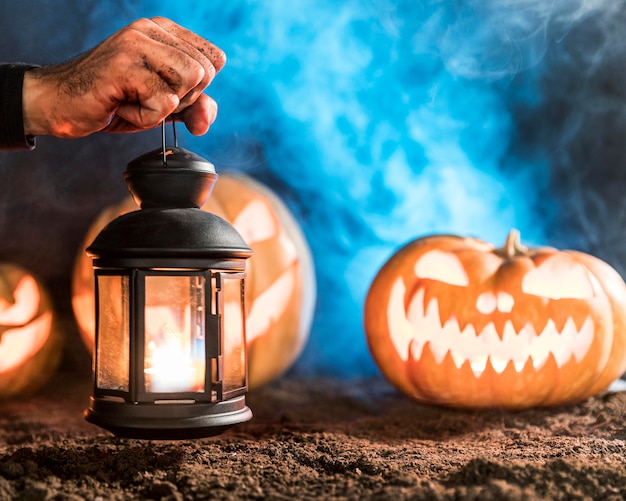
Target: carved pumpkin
<point x="280" y="283"/>
<point x="453" y="321"/>
<point x="30" y="348"/>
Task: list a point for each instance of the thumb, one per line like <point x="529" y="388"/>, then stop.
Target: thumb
<point x="149" y="112"/>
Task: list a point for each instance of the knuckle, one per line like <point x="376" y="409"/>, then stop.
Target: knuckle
<point x="140" y="24"/>
<point x="204" y="75"/>
<point x="161" y="20"/>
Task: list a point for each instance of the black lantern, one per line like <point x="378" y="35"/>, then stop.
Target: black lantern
<point x="170" y="345"/>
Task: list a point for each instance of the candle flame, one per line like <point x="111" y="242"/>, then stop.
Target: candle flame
<point x="170" y="362"/>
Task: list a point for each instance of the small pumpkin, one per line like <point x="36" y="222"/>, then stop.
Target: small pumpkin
<point x="454" y="321"/>
<point x="30" y="346"/>
<point x="280" y="282"/>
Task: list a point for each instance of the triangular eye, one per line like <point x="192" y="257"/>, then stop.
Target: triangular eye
<point x="256" y="222"/>
<point x="443" y="267"/>
<point x="557" y="278"/>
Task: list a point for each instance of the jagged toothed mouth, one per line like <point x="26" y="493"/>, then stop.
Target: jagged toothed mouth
<point x="489" y="346"/>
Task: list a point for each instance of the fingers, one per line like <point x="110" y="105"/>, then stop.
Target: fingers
<point x="210" y="51"/>
<point x="172" y="68"/>
<point x="192" y="61"/>
<point x="199" y="116"/>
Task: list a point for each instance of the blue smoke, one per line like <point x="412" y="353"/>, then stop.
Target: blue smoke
<point x="377" y="122"/>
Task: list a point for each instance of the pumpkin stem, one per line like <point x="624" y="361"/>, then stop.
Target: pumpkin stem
<point x="512" y="247"/>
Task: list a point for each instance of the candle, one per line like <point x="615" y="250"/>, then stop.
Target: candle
<point x="174" y="358"/>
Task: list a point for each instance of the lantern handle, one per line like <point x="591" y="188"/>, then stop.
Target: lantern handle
<point x="163" y="139"/>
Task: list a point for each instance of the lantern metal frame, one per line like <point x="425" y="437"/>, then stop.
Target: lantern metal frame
<point x="170" y="236"/>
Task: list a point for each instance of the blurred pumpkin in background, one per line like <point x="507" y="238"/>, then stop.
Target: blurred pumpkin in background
<point x="280" y="280"/>
<point x="454" y="321"/>
<point x="30" y="346"/>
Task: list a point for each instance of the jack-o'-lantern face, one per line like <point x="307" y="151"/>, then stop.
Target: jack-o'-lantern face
<point x="29" y="346"/>
<point x="280" y="281"/>
<point x="471" y="326"/>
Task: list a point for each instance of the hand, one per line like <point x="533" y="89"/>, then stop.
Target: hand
<point x="132" y="81"/>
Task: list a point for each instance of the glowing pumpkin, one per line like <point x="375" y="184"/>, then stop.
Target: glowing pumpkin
<point x="280" y="283"/>
<point x="453" y="321"/>
<point x="30" y="348"/>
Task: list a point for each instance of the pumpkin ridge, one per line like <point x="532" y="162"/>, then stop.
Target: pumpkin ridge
<point x="511" y="392"/>
<point x="426" y="380"/>
<point x="548" y="376"/>
<point x="574" y="380"/>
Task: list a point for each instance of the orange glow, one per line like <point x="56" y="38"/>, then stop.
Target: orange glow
<point x="170" y="365"/>
<point x="28" y="334"/>
<point x="26" y="303"/>
<point x="420" y="325"/>
<point x="271" y="304"/>
<point x="455" y="321"/>
<point x="443" y="267"/>
<point x="558" y="279"/>
<point x="21" y="343"/>
<point x="30" y="346"/>
<point x="256" y="222"/>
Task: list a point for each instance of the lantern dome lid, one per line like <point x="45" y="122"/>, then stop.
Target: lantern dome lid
<point x="169" y="233"/>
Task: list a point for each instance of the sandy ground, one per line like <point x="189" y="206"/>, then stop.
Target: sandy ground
<point x="320" y="440"/>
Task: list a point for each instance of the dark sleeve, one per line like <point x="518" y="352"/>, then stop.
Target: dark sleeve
<point x="11" y="119"/>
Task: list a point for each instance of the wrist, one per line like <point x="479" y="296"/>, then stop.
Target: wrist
<point x="35" y="107"/>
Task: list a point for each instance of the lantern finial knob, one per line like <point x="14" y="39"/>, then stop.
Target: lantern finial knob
<point x="183" y="180"/>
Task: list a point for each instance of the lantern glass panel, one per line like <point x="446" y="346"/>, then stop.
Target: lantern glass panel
<point x="234" y="334"/>
<point x="174" y="341"/>
<point x="113" y="341"/>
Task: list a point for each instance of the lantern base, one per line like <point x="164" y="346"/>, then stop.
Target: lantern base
<point x="167" y="421"/>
